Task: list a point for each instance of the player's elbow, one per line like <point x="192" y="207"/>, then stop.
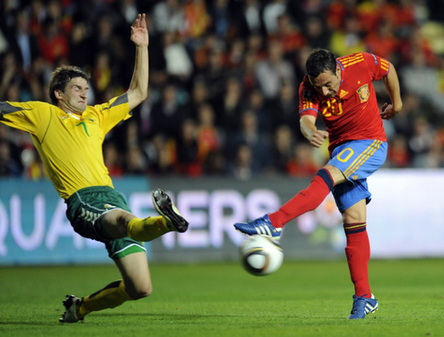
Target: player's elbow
<point x="135" y="97"/>
<point x="140" y="94"/>
<point x="143" y="95"/>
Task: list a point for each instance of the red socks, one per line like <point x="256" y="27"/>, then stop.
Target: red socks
<point x="306" y="200"/>
<point x="358" y="256"/>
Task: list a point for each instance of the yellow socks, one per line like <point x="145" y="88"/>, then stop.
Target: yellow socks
<point x="111" y="296"/>
<point x="147" y="229"/>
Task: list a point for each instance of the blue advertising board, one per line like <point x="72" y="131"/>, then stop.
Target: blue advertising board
<point x="34" y="228"/>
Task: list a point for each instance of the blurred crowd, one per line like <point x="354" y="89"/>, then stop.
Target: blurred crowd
<point x="224" y="78"/>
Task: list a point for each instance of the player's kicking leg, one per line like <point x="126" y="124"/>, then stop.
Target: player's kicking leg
<point x="154" y="226"/>
<point x="260" y="225"/>
<point x="165" y="207"/>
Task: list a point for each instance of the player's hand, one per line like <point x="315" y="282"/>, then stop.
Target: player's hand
<point x="387" y="111"/>
<point x="318" y="137"/>
<point x="139" y="31"/>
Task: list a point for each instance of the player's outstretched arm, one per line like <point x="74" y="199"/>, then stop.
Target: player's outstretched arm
<point x="138" y="88"/>
<point x="391" y="82"/>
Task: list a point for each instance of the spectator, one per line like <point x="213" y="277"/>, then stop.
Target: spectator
<point x="257" y="142"/>
<point x="209" y="140"/>
<point x="168" y="113"/>
<point x="9" y="75"/>
<point x="283" y="148"/>
<point x="197" y="18"/>
<point x="21" y="41"/>
<point x="215" y="75"/>
<point x="12" y="149"/>
<point x="198" y="96"/>
<point x="286" y="110"/>
<point x="398" y="152"/>
<point x="53" y="45"/>
<point x="290" y="35"/>
<point x="383" y="41"/>
<point x="302" y="163"/>
<point x="188" y="150"/>
<point x="421" y="142"/>
<point x="272" y="10"/>
<point x="316" y="33"/>
<point x="38" y="14"/>
<point x="421" y="79"/>
<point x="236" y="55"/>
<point x="113" y="160"/>
<point x="102" y="74"/>
<point x="247" y="73"/>
<point x="168" y="16"/>
<point x="135" y="161"/>
<point x="220" y="18"/>
<point x="249" y="19"/>
<point x="242" y="166"/>
<point x="230" y="110"/>
<point x="264" y="113"/>
<point x="161" y="152"/>
<point x="8" y="166"/>
<point x="272" y="72"/>
<point x="178" y="63"/>
<point x="337" y="11"/>
<point x="128" y="9"/>
<point x="349" y="40"/>
<point x="415" y="43"/>
<point x="80" y="45"/>
<point x="33" y="165"/>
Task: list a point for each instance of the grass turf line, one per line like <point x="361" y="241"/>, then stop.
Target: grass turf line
<point x="301" y="299"/>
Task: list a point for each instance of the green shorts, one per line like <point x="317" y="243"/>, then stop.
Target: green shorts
<point x="85" y="211"/>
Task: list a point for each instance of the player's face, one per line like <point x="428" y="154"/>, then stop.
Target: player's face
<point x="327" y="83"/>
<point x="74" y="98"/>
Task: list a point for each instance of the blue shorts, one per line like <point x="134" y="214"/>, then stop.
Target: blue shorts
<point x="357" y="160"/>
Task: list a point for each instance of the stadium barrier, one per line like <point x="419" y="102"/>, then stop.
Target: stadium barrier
<point x="404" y="219"/>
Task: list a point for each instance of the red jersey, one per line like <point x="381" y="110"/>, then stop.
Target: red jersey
<point x="353" y="113"/>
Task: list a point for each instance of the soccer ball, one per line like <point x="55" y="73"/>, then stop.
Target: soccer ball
<point x="261" y="255"/>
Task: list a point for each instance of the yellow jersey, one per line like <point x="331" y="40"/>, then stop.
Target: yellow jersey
<point x="70" y="145"/>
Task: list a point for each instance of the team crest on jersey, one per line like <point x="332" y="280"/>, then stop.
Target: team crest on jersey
<point x="82" y="123"/>
<point x="364" y="93"/>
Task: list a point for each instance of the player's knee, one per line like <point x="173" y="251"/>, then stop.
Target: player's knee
<point x="140" y="291"/>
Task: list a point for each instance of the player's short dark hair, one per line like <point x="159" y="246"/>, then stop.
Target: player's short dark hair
<point x="319" y="61"/>
<point x="60" y="78"/>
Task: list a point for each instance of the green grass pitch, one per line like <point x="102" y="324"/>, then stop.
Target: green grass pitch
<point x="307" y="298"/>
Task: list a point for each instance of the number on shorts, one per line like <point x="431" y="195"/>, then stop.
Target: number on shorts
<point x="347" y="155"/>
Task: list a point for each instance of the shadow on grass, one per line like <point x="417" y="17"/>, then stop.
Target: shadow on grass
<point x="30" y="323"/>
<point x="167" y="316"/>
<point x="105" y="315"/>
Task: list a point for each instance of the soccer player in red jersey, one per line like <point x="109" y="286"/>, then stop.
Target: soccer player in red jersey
<point x="340" y="90"/>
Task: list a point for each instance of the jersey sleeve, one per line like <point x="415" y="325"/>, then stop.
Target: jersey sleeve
<point x="308" y="104"/>
<point x="113" y="112"/>
<point x="377" y="66"/>
<point x="31" y="117"/>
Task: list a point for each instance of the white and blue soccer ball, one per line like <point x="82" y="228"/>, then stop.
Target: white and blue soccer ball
<point x="261" y="255"/>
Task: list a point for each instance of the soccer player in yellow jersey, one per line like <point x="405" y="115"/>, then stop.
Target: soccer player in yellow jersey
<point x="68" y="135"/>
